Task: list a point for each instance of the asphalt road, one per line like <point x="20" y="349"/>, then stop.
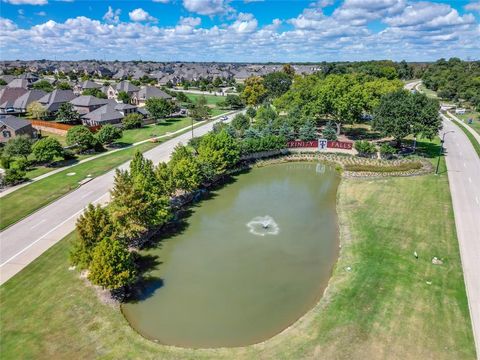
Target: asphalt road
<point x="24" y="241"/>
<point x="463" y="166"/>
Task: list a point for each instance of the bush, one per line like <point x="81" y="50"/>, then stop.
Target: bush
<point x="266" y="143"/>
<point x="14" y="176"/>
<point x="108" y="134"/>
<point x="251" y="112"/>
<point x="329" y="132"/>
<point x="365" y="148"/>
<point x="240" y="122"/>
<point x="132" y="121"/>
<point x="22" y="164"/>
<point x="383" y="168"/>
<point x="47" y="149"/>
<point x="81" y="137"/>
<point x="387" y="151"/>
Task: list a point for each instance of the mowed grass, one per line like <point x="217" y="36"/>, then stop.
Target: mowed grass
<point x="211" y="99"/>
<point x="471" y="138"/>
<point x="475" y="125"/>
<point x="132" y="136"/>
<point x="26" y="200"/>
<point x="381" y="302"/>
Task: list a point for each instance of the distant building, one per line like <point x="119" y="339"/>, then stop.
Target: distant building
<point x="52" y="101"/>
<point x="85" y="104"/>
<point x="12" y="126"/>
<point x="147" y="92"/>
<point x="460" y="111"/>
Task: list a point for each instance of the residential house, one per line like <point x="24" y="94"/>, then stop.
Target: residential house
<point x="106" y="114"/>
<point x="125" y="86"/>
<point x="20" y="105"/>
<point x="12" y="126"/>
<point x="18" y="83"/>
<point x="52" y="101"/>
<point x="84" y="85"/>
<point x="8" y="96"/>
<point x="85" y="104"/>
<point x="146" y="92"/>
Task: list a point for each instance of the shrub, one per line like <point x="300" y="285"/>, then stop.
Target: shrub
<point x="365" y="148"/>
<point x="22" y="164"/>
<point x="14" y="176"/>
<point x="387" y="150"/>
<point x="384" y="168"/>
<point x="329" y="132"/>
<point x="265" y="143"/>
<point x="108" y="134"/>
<point x="47" y="149"/>
<point x="132" y="121"/>
<point x="81" y="137"/>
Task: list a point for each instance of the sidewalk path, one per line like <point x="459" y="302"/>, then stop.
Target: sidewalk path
<point x="466" y="126"/>
<point x="27" y="239"/>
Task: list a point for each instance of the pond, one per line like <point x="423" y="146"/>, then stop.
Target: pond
<point x="251" y="261"/>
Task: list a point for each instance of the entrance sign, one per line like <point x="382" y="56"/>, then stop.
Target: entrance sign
<point x="320" y="144"/>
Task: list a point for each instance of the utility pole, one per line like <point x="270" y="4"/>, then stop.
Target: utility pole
<point x="441" y="149"/>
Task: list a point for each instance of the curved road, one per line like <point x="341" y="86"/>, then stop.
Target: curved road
<point x="463" y="166"/>
<point x="24" y="241"/>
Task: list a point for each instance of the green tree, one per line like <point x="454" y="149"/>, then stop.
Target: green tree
<point x="112" y="266"/>
<point x="308" y="131"/>
<point x="64" y="86"/>
<point x="95" y="92"/>
<point x="67" y="113"/>
<point x="43" y="85"/>
<point x="14" y="176"/>
<point x="289" y="70"/>
<point x="92" y="226"/>
<point x="233" y="102"/>
<point x="365" y="148"/>
<point x="240" y="122"/>
<point x="277" y="83"/>
<point x="81" y="137"/>
<point x="47" y="149"/>
<point x="35" y="110"/>
<point x="251" y="112"/>
<point x="132" y="121"/>
<point x="159" y="108"/>
<point x="287" y="131"/>
<point x="187" y="174"/>
<point x="123" y="97"/>
<point x="108" y="134"/>
<point x="200" y="111"/>
<point x="403" y="113"/>
<point x="265" y="115"/>
<point x="254" y="92"/>
<point x="19" y="146"/>
<point x="329" y="132"/>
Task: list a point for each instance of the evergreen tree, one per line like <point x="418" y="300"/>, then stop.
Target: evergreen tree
<point x="308" y="131"/>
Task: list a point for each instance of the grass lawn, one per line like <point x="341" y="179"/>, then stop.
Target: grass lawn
<point x="62" y="139"/>
<point x="388" y="306"/>
<point x="26" y="200"/>
<point x="473" y="140"/>
<point x="169" y="125"/>
<point x="211" y="99"/>
<point x="476" y="120"/>
<point x="428" y="92"/>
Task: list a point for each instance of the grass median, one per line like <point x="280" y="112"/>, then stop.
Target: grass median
<point x="473" y="140"/>
<point x="381" y="302"/>
<point x="26" y="200"/>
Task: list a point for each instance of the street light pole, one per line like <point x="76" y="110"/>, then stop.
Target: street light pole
<point x="441" y="149"/>
<point x="192" y="127"/>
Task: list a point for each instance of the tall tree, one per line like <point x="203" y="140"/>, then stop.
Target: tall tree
<point x="47" y="149"/>
<point x="19" y="146"/>
<point x="277" y="83"/>
<point x="112" y="266"/>
<point x="81" y="137"/>
<point x="35" y="110"/>
<point x="92" y="226"/>
<point x="200" y="111"/>
<point x="254" y="92"/>
<point x="123" y="97"/>
<point x="108" y="134"/>
<point x="159" y="108"/>
<point x="67" y="113"/>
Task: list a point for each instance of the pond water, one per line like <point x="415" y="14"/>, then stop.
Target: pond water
<point x="252" y="260"/>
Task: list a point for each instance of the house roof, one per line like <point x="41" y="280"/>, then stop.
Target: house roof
<point x="18" y="83"/>
<point x="14" y="122"/>
<point x="148" y="92"/>
<point x="32" y="95"/>
<point x="88" y="84"/>
<point x="9" y="95"/>
<point x="104" y="114"/>
<point x="126" y="86"/>
<point x="88" y="100"/>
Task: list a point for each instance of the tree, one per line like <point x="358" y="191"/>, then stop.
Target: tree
<point x="308" y="131"/>
<point x="217" y="152"/>
<point x="277" y="83"/>
<point x="329" y="132"/>
<point x="159" y="108"/>
<point x="43" y="85"/>
<point x="123" y="97"/>
<point x="132" y="121"/>
<point x="108" y="134"/>
<point x="47" y="149"/>
<point x="233" y="102"/>
<point x="35" y="110"/>
<point x="240" y="122"/>
<point x="112" y="266"/>
<point x="251" y="112"/>
<point x="289" y="70"/>
<point x="92" y="226"/>
<point x="186" y="173"/>
<point x="67" y="113"/>
<point x="287" y="131"/>
<point x="81" y="137"/>
<point x="95" y="92"/>
<point x="200" y="111"/>
<point x="64" y="86"/>
<point x="14" y="176"/>
<point x="181" y="97"/>
<point x="20" y="146"/>
<point x="265" y="115"/>
<point x="403" y="113"/>
<point x="254" y="92"/>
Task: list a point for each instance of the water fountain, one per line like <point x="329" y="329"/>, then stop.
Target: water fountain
<point x="263" y="225"/>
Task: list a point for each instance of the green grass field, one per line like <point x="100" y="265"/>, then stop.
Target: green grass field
<point x="473" y="140"/>
<point x="26" y="200"/>
<point x="211" y="99"/>
<point x="169" y="125"/>
<point x="388" y="306"/>
<point x="476" y="120"/>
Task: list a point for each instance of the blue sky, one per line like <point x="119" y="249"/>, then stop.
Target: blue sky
<point x="251" y="31"/>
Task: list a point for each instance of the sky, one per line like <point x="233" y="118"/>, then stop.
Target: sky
<point x="239" y="31"/>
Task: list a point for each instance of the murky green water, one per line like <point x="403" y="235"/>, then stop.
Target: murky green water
<point x="232" y="278"/>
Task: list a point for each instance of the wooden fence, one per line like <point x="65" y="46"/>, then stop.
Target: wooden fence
<point x="57" y="128"/>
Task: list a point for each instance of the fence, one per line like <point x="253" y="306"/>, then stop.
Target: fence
<point x="57" y="128"/>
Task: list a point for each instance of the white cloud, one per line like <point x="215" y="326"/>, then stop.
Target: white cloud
<point x="360" y="12"/>
<point x="41" y="13"/>
<point x="245" y="23"/>
<point x="26" y="2"/>
<point x="21" y="12"/>
<point x="112" y="16"/>
<point x="208" y="7"/>
<point x="140" y="15"/>
<point x="162" y="1"/>
<point x="473" y="6"/>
